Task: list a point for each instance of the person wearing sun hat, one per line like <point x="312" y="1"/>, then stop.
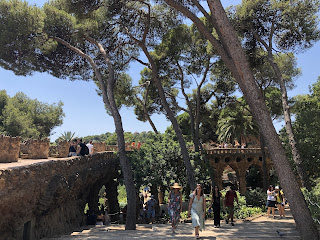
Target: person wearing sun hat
<point x="175" y="205"/>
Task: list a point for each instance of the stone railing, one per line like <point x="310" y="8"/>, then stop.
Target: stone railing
<point x="34" y="149"/>
<point x="9" y="148"/>
<point x="99" y="146"/>
<point x="221" y="151"/>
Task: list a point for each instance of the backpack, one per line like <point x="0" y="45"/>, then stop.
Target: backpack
<point x="86" y="150"/>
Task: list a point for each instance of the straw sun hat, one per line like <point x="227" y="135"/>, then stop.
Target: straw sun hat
<point x="176" y="185"/>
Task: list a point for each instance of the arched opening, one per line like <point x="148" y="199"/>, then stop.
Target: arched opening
<point x="254" y="177"/>
<point x="227" y="159"/>
<point x="216" y="160"/>
<point x="249" y="159"/>
<point x="229" y="178"/>
<point x="238" y="159"/>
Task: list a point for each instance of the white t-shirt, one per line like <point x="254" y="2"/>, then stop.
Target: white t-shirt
<point x="90" y="146"/>
<point x="272" y="196"/>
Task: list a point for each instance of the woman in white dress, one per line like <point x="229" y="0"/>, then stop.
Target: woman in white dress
<point x="197" y="209"/>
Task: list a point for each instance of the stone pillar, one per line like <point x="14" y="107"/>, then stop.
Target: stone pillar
<point x="242" y="183"/>
<point x="112" y="196"/>
<point x="93" y="198"/>
<point x="218" y="178"/>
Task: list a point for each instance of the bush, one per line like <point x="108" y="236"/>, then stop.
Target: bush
<point x="313" y="200"/>
<point x="256" y="197"/>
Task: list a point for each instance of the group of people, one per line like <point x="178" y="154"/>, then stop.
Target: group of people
<point x="135" y="145"/>
<point x="275" y="197"/>
<point x="197" y="206"/>
<point x="79" y="148"/>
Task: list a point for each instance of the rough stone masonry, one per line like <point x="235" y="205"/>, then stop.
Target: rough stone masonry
<point x="43" y="198"/>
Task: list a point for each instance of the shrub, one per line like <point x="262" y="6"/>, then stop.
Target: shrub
<point x="313" y="200"/>
<point x="256" y="197"/>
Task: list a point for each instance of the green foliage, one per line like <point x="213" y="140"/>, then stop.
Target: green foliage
<point x="256" y="197"/>
<point x="122" y="196"/>
<point x="158" y="162"/>
<point x="313" y="200"/>
<point x="236" y="122"/>
<point x="66" y="136"/>
<point x="28" y="118"/>
<point x="306" y="128"/>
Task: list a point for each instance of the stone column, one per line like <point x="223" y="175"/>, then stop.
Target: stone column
<point x="112" y="196"/>
<point x="218" y="178"/>
<point x="242" y="182"/>
<point x="93" y="198"/>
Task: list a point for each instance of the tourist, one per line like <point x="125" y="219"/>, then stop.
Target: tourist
<point x="81" y="150"/>
<point x="280" y="201"/>
<point x="231" y="195"/>
<point x="91" y="148"/>
<point x="175" y="205"/>
<point x="197" y="209"/>
<point x="215" y="204"/>
<point x="139" y="145"/>
<point x="150" y="206"/>
<point x="133" y="145"/>
<point x="271" y="200"/>
<point x="73" y="148"/>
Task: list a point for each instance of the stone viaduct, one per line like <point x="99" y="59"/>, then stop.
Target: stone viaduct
<point x="45" y="197"/>
<point x="240" y="160"/>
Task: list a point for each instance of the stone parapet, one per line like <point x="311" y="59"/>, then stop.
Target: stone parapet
<point x="60" y="150"/>
<point x="34" y="149"/>
<point x="48" y="197"/>
<point x="99" y="146"/>
<point x="9" y="148"/>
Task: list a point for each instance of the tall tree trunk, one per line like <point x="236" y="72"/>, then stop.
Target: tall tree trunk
<point x="170" y="114"/>
<point x="231" y="52"/>
<point x="265" y="178"/>
<point x="108" y="99"/>
<point x="124" y="161"/>
<point x="146" y="115"/>
<point x="286" y="111"/>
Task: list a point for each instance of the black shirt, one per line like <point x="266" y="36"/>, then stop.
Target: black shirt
<point x="83" y="149"/>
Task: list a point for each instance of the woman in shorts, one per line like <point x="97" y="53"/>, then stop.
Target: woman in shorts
<point x="271" y="200"/>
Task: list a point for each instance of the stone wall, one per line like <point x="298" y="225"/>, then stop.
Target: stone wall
<point x="9" y="148"/>
<point x="48" y="197"/>
<point x="35" y="149"/>
<point x="60" y="150"/>
<point x="99" y="146"/>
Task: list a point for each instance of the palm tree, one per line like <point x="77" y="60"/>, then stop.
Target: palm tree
<point x="236" y="122"/>
<point x="66" y="136"/>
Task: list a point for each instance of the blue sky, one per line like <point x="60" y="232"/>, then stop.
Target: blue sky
<point x="84" y="109"/>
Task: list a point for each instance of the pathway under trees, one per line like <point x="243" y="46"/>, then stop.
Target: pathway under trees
<point x="258" y="228"/>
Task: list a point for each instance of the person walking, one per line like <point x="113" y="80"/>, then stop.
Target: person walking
<point x="231" y="195"/>
<point x="280" y="201"/>
<point x="271" y="200"/>
<point x="215" y="204"/>
<point x="197" y="209"/>
<point x="175" y="205"/>
<point x="150" y="206"/>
